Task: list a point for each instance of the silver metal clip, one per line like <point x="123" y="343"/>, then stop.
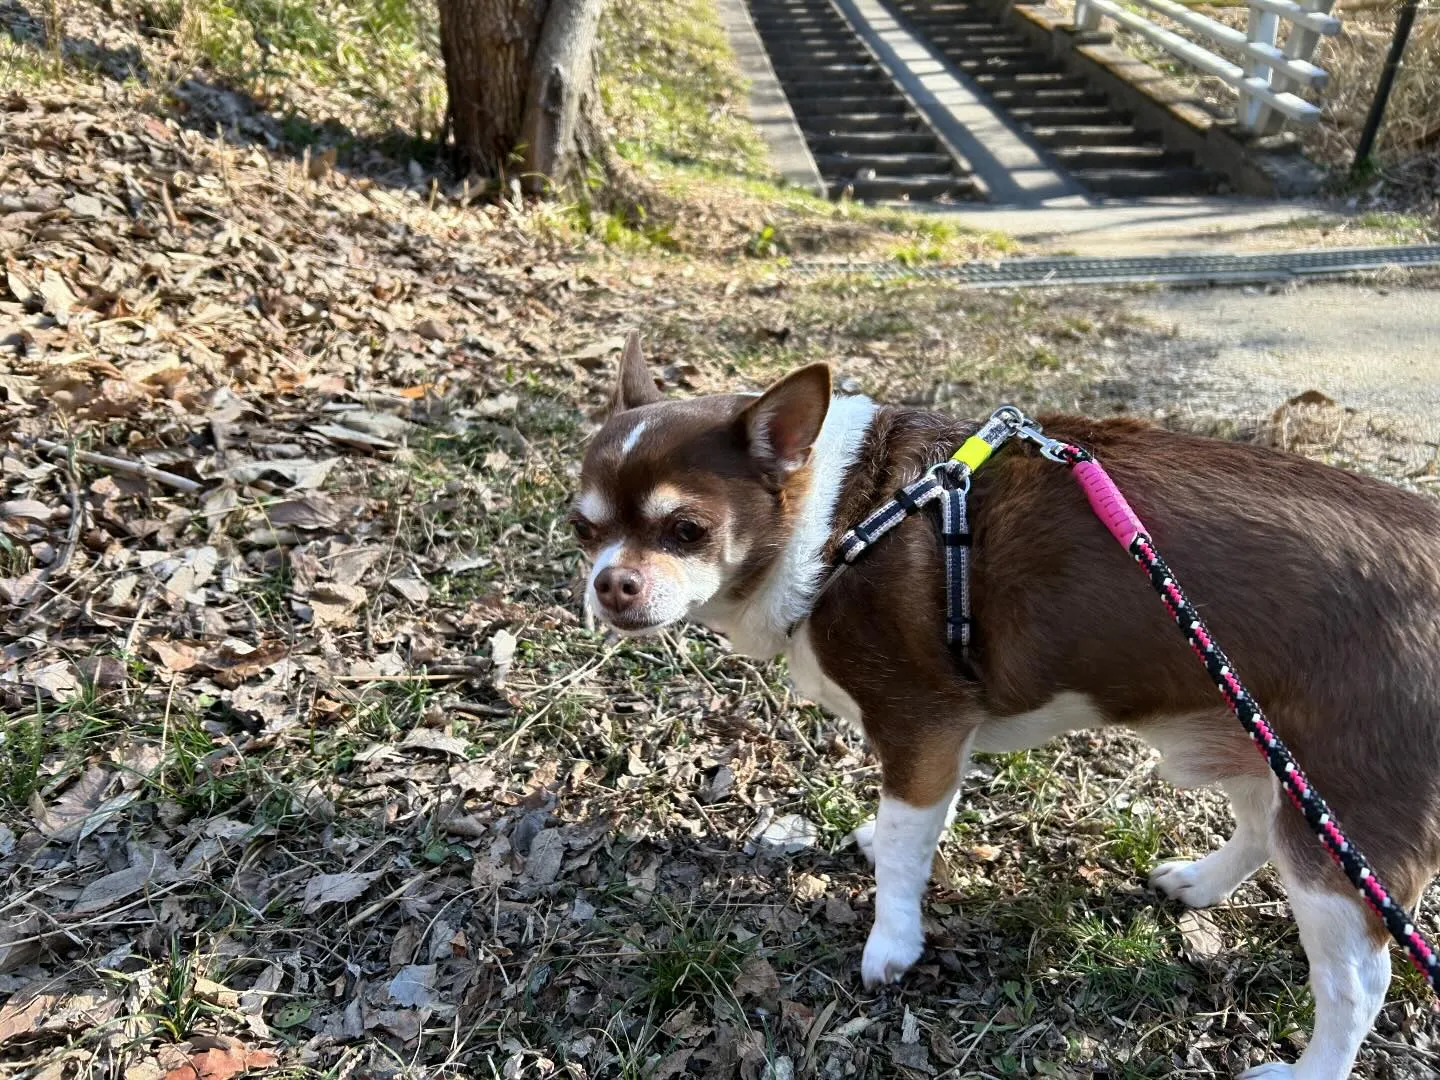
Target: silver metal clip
<point x="1030" y="431"/>
<point x="1004" y="422"/>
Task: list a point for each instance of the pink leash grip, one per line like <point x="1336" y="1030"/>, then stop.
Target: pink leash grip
<point x="1107" y="502"/>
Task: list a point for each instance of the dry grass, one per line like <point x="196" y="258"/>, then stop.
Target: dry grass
<point x="1355" y="59"/>
<point x="373" y="858"/>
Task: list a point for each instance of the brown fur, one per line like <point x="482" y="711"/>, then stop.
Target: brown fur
<point x="702" y="450"/>
<point x="1323" y="587"/>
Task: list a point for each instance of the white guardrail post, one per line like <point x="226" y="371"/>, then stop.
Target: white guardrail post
<point x="1250" y="111"/>
<point x="1299" y="46"/>
<point x="1268" y="79"/>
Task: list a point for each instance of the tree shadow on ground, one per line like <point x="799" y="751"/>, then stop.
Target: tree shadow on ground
<point x="117" y="63"/>
<point x="201" y="101"/>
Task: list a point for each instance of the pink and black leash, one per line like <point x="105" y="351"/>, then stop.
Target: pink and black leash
<point x="1112" y="509"/>
<point x="948" y="484"/>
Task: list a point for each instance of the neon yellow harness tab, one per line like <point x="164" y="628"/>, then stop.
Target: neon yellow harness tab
<point x="973" y="452"/>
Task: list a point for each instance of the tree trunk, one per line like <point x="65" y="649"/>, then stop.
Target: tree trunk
<point x="521" y="82"/>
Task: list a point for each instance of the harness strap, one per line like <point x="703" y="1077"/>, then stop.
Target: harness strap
<point x="949" y="482"/>
<point x="955" y="535"/>
<point x="905" y="502"/>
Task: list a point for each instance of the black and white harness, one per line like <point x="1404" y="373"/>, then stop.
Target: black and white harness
<point x="947" y="483"/>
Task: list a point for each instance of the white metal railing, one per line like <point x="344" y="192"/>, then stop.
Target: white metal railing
<point x="1267" y="78"/>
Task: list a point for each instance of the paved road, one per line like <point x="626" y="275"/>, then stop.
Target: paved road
<point x="1365" y="347"/>
<point x="1189" y="226"/>
<point x="1236" y="355"/>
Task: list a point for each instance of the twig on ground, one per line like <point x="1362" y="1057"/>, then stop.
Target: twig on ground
<point x="564" y="680"/>
<point x="123" y="465"/>
<point x="432" y="673"/>
<point x="77" y="517"/>
<point x="394" y="894"/>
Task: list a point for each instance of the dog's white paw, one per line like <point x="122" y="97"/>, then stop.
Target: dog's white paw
<point x="889" y="953"/>
<point x="1189" y="883"/>
<point x="1271" y="1070"/>
<point x="864" y="837"/>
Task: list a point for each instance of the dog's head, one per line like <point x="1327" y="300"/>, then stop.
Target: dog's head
<point x="684" y="504"/>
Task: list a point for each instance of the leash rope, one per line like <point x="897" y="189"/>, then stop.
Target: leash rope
<point x="1114" y="511"/>
<point x="949" y="482"/>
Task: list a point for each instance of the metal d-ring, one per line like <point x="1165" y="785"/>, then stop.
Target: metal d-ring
<point x="951" y="475"/>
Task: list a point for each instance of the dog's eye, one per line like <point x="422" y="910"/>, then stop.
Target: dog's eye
<point x="584" y="531"/>
<point x="685" y="531"/>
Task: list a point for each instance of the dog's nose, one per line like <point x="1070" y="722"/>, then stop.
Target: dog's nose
<point x="619" y="588"/>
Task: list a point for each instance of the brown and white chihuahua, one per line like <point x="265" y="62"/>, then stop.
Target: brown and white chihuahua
<point x="1324" y="586"/>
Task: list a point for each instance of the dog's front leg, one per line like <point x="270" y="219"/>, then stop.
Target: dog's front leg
<point x="919" y="779"/>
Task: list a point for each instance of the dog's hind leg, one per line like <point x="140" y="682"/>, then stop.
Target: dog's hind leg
<point x="1210" y="880"/>
<point x="1349" y="969"/>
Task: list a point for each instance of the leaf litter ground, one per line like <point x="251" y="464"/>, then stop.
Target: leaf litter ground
<point x="310" y="764"/>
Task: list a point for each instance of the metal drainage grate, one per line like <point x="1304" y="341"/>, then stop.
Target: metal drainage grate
<point x="1185" y="269"/>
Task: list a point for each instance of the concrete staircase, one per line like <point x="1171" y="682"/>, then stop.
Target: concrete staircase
<point x="867" y="140"/>
<point x="1096" y="144"/>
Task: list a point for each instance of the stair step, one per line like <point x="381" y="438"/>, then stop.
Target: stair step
<point x="1041" y="95"/>
<point x="828" y="39"/>
<point x="857" y="106"/>
<point x="885" y="164"/>
<point x="1132" y="182"/>
<point x="1028" y="82"/>
<point x="1017" y="63"/>
<point x="1121" y="157"/>
<point x="873" y="142"/>
<point x="822" y="125"/>
<point x="817" y="69"/>
<point x="945" y="9"/>
<point x="782" y="59"/>
<point x="787" y="31"/>
<point x="798" y="85"/>
<point x="978" y="41"/>
<point x="954" y="26"/>
<point x="1047" y="115"/>
<point x="913" y="188"/>
<point x="1116" y="134"/>
<point x="836" y="54"/>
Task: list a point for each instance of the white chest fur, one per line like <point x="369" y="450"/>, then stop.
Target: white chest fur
<point x="757" y="625"/>
<point x="814" y="684"/>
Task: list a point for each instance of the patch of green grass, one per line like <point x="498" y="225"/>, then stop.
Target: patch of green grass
<point x="1134" y="838"/>
<point x="271" y="595"/>
<point x="1026" y="774"/>
<point x="24" y="65"/>
<point x="696" y="961"/>
<point x="627" y="231"/>
<point x="1401" y="227"/>
<point x="173" y="1002"/>
<point x="835" y="806"/>
<point x="931" y="238"/>
<point x="22" y="753"/>
<point x="382" y="53"/>
<point x="670" y="84"/>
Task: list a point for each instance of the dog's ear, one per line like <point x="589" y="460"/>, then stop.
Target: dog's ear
<point x="782" y="424"/>
<point x="636" y="385"/>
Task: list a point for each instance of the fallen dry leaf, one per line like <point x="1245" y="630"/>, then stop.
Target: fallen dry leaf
<point x="325" y="889"/>
<point x="222" y="1063"/>
<point x="413" y="986"/>
<point x="757" y="979"/>
<point x="21" y="1014"/>
<point x="107" y="891"/>
<point x="502" y="655"/>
